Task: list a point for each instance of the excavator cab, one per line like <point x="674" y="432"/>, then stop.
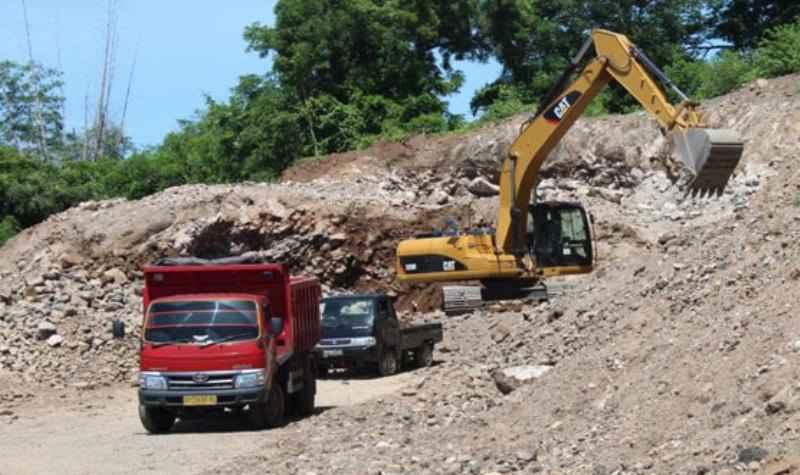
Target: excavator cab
<point x="559" y="238"/>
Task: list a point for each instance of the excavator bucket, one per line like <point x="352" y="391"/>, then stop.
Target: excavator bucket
<point x="711" y="155"/>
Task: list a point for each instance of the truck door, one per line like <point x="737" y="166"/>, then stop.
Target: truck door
<point x="388" y="323"/>
<point x="270" y="350"/>
<point x="561" y="239"/>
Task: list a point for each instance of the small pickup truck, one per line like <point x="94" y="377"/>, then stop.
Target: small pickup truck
<point x="363" y="330"/>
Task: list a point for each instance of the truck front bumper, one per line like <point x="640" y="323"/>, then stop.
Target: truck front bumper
<point x="345" y="357"/>
<point x="224" y="397"/>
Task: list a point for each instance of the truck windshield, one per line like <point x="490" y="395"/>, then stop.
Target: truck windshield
<point x="201" y="321"/>
<point x="342" y="318"/>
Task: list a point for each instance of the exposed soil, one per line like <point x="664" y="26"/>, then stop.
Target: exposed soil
<point x="99" y="432"/>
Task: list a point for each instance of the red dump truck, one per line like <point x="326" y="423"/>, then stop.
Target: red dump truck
<point x="224" y="336"/>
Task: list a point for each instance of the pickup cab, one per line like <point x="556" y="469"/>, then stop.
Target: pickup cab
<point x="363" y="330"/>
<point x="220" y="338"/>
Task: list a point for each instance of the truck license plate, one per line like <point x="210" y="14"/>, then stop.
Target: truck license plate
<point x="331" y="353"/>
<point x="200" y="400"/>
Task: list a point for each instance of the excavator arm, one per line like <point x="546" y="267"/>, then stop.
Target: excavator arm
<point x="710" y="154"/>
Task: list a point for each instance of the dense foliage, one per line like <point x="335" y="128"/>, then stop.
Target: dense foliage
<point x="534" y="40"/>
<point x="346" y="73"/>
<point x="745" y="22"/>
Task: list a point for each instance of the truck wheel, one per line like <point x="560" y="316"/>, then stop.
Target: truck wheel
<point x="269" y="414"/>
<point x="387" y="365"/>
<point x="303" y="400"/>
<point x="156" y="420"/>
<point x="423" y="356"/>
<point x="322" y="372"/>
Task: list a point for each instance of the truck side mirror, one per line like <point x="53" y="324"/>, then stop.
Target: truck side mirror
<point x="118" y="329"/>
<point x="276" y="326"/>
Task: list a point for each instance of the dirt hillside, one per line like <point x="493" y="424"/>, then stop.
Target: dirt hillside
<point x="679" y="355"/>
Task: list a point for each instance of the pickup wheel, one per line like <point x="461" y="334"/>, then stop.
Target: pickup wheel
<point x="269" y="414"/>
<point x="423" y="356"/>
<point x="388" y="365"/>
<point x="156" y="420"/>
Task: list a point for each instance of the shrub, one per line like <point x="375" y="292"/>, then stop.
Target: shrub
<point x="8" y="228"/>
<point x="778" y="52"/>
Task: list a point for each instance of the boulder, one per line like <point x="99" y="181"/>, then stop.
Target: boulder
<point x="116" y="276"/>
<point x="55" y="340"/>
<point x="481" y="187"/>
<point x="440" y="197"/>
<point x="44" y="330"/>
<point x="751" y="454"/>
<point x="68" y="260"/>
<point x="509" y="379"/>
<point x="338" y="239"/>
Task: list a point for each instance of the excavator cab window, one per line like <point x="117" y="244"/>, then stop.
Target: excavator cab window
<point x="560" y="236"/>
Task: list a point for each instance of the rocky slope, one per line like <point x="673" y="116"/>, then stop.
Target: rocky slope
<point x="679" y="353"/>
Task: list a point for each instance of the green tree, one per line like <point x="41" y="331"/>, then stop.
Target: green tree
<point x="745" y="22"/>
<point x="30" y="107"/>
<point x="8" y="228"/>
<point x="355" y="68"/>
<point x="77" y="144"/>
<point x="778" y="52"/>
<point x="534" y="40"/>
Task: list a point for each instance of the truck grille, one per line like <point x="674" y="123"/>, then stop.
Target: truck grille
<point x="334" y="342"/>
<point x="200" y="381"/>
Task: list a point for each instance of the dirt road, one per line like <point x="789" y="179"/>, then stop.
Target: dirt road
<point x="102" y="433"/>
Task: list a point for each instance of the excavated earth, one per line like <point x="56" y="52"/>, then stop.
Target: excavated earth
<point x="680" y="354"/>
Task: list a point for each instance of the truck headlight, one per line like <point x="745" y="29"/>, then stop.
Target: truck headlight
<point x="363" y="341"/>
<point x="250" y="379"/>
<point x="152" y="381"/>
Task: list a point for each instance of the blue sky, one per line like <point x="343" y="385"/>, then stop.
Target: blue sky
<point x="184" y="49"/>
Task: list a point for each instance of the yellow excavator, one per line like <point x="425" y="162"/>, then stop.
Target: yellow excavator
<point x="537" y="240"/>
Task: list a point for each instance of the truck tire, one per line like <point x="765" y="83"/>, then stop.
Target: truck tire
<point x="156" y="420"/>
<point x="269" y="414"/>
<point x="388" y="364"/>
<point x="303" y="400"/>
<point x="322" y="372"/>
<point x="423" y="356"/>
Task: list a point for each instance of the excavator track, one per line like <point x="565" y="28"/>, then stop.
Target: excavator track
<point x="458" y="299"/>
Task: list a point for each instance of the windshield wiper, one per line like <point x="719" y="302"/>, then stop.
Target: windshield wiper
<point x="170" y="342"/>
<point x="223" y="340"/>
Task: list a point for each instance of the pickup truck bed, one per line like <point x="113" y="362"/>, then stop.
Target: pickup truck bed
<point x="414" y="336"/>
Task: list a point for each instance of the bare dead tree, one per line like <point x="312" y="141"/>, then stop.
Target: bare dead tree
<point x="60" y="66"/>
<point x="37" y="103"/>
<point x="85" y="146"/>
<point x="106" y="80"/>
<point x="121" y="135"/>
